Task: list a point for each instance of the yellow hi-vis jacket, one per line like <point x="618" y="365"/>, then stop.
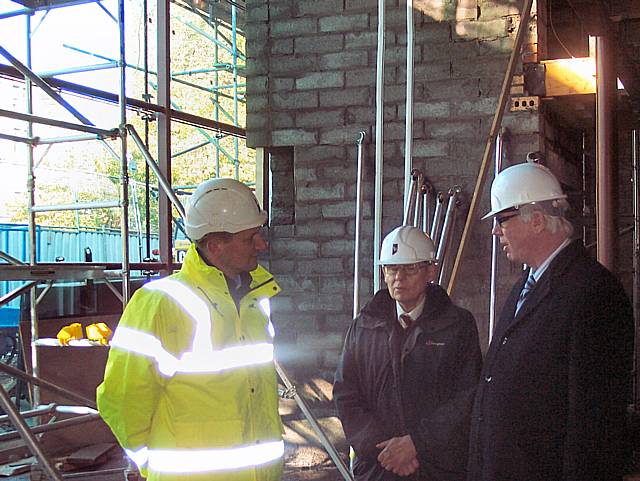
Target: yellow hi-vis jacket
<point x="190" y="388"/>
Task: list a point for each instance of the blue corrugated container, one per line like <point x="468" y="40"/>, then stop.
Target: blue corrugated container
<point x="55" y="242"/>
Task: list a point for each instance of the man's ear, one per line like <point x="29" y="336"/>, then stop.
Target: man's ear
<point x="538" y="221"/>
<point x="432" y="273"/>
<point x="213" y="245"/>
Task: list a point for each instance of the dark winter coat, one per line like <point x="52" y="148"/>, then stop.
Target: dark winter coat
<point x="551" y="401"/>
<point x="420" y="382"/>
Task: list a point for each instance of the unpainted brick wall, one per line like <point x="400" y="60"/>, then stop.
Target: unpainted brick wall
<point x="311" y="72"/>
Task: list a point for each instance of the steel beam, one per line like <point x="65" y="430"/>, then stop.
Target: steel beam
<point x="58" y="123"/>
<point x="138" y="105"/>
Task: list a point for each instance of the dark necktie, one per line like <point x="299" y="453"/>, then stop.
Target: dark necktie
<point x="405" y="321"/>
<point x="531" y="282"/>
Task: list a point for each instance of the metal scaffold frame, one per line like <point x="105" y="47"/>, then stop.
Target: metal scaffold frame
<point x="165" y="112"/>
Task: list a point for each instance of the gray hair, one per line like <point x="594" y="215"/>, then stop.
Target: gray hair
<point x="221" y="236"/>
<point x="553" y="211"/>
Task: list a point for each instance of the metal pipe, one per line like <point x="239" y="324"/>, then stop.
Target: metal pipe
<point x="444" y="265"/>
<point x="146" y="97"/>
<point x="189" y="149"/>
<point x="324" y="440"/>
<point x="166" y="187"/>
<point x="164" y="121"/>
<point x="102" y="472"/>
<point x="216" y="94"/>
<point x="358" y="225"/>
<point x="234" y="54"/>
<point x="447" y="229"/>
<point x="39" y="6"/>
<point x="377" y="224"/>
<point x="28" y="73"/>
<point x="140" y="69"/>
<point x="11" y="259"/>
<point x="31" y="187"/>
<point x="585" y="209"/>
<point x="419" y="210"/>
<point x="65" y="393"/>
<point x="44" y="292"/>
<point x="437" y="219"/>
<point x="113" y="289"/>
<point x="77" y="206"/>
<point x="70" y="138"/>
<point x="135" y="104"/>
<point x="79" y="69"/>
<point x="410" y="200"/>
<point x="43" y="428"/>
<point x="495" y="242"/>
<point x="38" y="411"/>
<point x="57" y="123"/>
<point x="606" y="90"/>
<point x="523" y="27"/>
<point x="26" y="435"/>
<point x="635" y="145"/>
<point x="16" y="138"/>
<point x="408" y="133"/>
<point x="426" y="216"/>
<point x="8" y="297"/>
<point x="124" y="167"/>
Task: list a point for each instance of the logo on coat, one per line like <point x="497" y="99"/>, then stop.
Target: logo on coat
<point x="429" y="342"/>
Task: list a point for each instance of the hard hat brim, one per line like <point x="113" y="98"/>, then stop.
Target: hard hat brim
<point x="493" y="213"/>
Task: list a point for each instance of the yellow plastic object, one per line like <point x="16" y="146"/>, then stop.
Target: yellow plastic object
<point x="99" y="332"/>
<point x="69" y="333"/>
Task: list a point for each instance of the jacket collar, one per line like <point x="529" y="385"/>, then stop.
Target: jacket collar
<point x="196" y="268"/>
<point x="544" y="286"/>
<point x="381" y="310"/>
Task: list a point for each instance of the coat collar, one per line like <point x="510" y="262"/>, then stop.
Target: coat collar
<point x="381" y="310"/>
<point x="196" y="268"/>
<point x="544" y="286"/>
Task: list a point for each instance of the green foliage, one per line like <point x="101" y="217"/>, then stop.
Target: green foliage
<point x="87" y="172"/>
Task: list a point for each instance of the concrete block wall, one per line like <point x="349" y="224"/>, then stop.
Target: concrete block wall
<point x="311" y="70"/>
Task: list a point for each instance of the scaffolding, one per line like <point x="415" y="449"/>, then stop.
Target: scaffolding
<point x="165" y="112"/>
<point x="34" y="273"/>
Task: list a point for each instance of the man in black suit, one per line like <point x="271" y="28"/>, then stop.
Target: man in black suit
<point x="556" y="380"/>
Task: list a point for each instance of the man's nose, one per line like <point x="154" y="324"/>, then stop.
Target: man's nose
<point x="497" y="230"/>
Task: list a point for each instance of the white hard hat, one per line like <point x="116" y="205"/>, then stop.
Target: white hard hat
<point x="222" y="205"/>
<point x="406" y="245"/>
<point x="523" y="184"/>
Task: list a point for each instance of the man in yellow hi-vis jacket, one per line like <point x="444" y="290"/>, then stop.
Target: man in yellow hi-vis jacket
<point x="190" y="388"/>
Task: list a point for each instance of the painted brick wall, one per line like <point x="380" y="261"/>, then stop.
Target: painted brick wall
<point x="311" y="72"/>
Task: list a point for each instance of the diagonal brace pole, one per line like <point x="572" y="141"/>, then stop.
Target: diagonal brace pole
<point x="27" y="72"/>
<point x="495" y="128"/>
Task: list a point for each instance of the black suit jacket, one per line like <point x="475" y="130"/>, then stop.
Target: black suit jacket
<point x="552" y="398"/>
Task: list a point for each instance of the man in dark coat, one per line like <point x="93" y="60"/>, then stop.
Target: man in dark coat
<point x="409" y="367"/>
<point x="556" y="380"/>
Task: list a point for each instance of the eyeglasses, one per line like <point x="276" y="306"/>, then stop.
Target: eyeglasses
<point x="406" y="269"/>
<point x="501" y="219"/>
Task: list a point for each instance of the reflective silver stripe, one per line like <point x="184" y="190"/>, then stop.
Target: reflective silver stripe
<point x="202" y="358"/>
<point x="146" y="345"/>
<point x="140" y="456"/>
<point x="228" y="358"/>
<point x="202" y="460"/>
<point x="265" y="305"/>
<point x="193" y="305"/>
